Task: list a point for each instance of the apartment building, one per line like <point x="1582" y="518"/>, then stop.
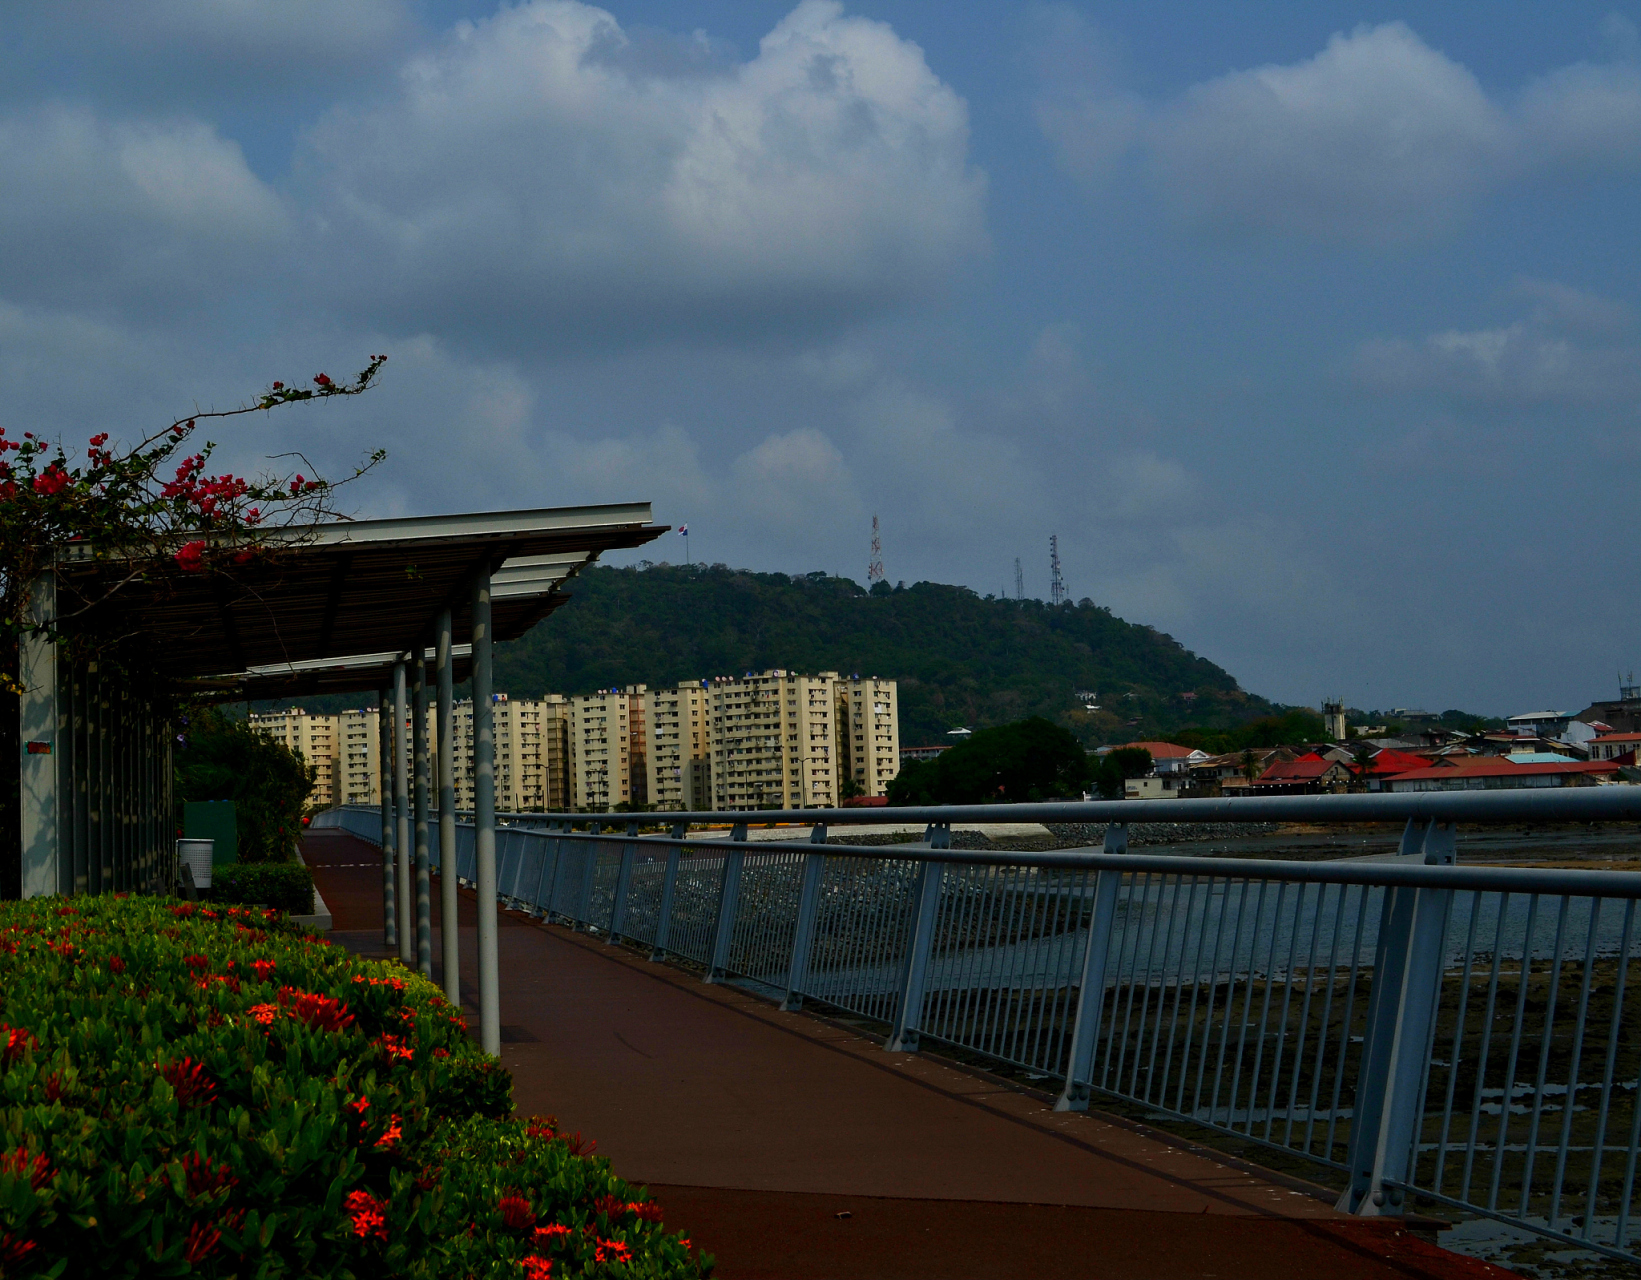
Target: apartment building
<point x="868" y="719"/>
<point x="530" y="754"/>
<point x="678" y="746"/>
<point x="607" y="755"/>
<point x="313" y="737"/>
<point x="774" y="741"/>
<point x="359" y="757"/>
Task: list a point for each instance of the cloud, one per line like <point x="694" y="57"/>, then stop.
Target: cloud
<point x="1574" y="348"/>
<point x="535" y="183"/>
<point x="139" y="212"/>
<point x="1377" y="139"/>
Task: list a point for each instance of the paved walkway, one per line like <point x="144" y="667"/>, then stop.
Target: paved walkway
<point x="792" y="1147"/>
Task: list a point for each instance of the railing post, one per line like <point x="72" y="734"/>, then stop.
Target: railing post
<point x="623" y="884"/>
<point x="1433" y="839"/>
<point x="589" y="872"/>
<point x="1401" y="1011"/>
<point x="549" y="856"/>
<point x="547" y="907"/>
<point x="803" y="937"/>
<point x="1085" y="1029"/>
<point x="484" y="817"/>
<point x="669" y="888"/>
<point x="903" y="1033"/>
<point x="421" y="784"/>
<point x="729" y="891"/>
<point x="443" y="729"/>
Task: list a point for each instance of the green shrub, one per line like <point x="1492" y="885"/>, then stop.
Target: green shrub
<point x="287" y="886"/>
<point x="194" y="1091"/>
<point x="224" y="759"/>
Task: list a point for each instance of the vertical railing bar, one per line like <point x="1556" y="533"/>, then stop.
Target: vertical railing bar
<point x="1317" y="913"/>
<point x="1065" y="959"/>
<point x="985" y="968"/>
<point x="1531" y="1157"/>
<point x="1515" y="1048"/>
<point x="994" y="1013"/>
<point x="1230" y="1002"/>
<point x="1484" y="1052"/>
<point x="1617" y="1020"/>
<point x="1206" y="884"/>
<point x="948" y="1025"/>
<point x="1621" y="1236"/>
<point x="1213" y="999"/>
<point x="1145" y="999"/>
<point x="1457" y="1054"/>
<point x="1045" y="947"/>
<point x="1572" y="1069"/>
<point x="1265" y="1004"/>
<point x="1247" y="1007"/>
<point x="1122" y="906"/>
<point x="1179" y="990"/>
<point x="1344" y="1030"/>
<point x="1140" y="929"/>
<point x="1282" y="1019"/>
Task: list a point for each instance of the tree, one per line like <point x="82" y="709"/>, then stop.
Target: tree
<point x="115" y="502"/>
<point x="223" y="759"/>
<point x="850" y="789"/>
<point x="1031" y="759"/>
<point x="1117" y="767"/>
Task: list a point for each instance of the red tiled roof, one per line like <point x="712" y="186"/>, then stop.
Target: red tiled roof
<point x="1500" y="767"/>
<point x="1305" y="769"/>
<point x="1390" y="761"/>
<point x="1618" y="737"/>
<point x="1162" y="750"/>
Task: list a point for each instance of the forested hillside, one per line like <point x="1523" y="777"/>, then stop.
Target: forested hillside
<point x="961" y="659"/>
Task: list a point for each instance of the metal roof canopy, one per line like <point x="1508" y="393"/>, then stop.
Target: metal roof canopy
<point x="355" y="674"/>
<point x="330" y="595"/>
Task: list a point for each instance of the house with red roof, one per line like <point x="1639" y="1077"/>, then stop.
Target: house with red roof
<point x="1491" y="773"/>
<point x="1610" y="746"/>
<point x="1309" y="774"/>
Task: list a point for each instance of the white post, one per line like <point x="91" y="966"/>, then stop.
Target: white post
<point x="37" y="746"/>
<point x="484" y="818"/>
<point x="418" y="749"/>
<point x="449" y="934"/>
<point x="384" y="759"/>
<point x="401" y="806"/>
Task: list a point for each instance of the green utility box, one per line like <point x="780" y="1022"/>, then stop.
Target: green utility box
<point x="213" y="820"/>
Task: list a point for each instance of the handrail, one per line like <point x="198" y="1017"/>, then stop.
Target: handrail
<point x="1600" y="803"/>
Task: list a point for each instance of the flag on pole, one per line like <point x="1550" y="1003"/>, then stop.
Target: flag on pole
<point x="684" y="529"/>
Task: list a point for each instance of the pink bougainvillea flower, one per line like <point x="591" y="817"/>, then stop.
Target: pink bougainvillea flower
<point x="191" y="558"/>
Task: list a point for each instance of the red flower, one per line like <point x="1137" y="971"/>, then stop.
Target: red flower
<point x="197" y="963"/>
<point x="577" y="1146"/>
<point x="264" y="969"/>
<point x="203" y="1177"/>
<point x="536" y="1267"/>
<point x="279" y="386"/>
<point x="546" y="1235"/>
<point x="390" y="1135"/>
<point x="18" y="1163"/>
<point x="116" y="964"/>
<point x="13" y="1249"/>
<point x="368" y="1213"/>
<point x="191" y="558"/>
<point x="612" y="1251"/>
<point x="183" y="910"/>
<point x="324" y="1013"/>
<point x="612" y="1207"/>
<point x="516" y="1213"/>
<point x="19" y="1040"/>
<point x="645" y="1210"/>
<point x="191" y="1083"/>
<point x="395" y="1048"/>
<point x="323" y="380"/>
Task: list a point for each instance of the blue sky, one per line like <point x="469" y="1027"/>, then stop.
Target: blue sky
<point x="1310" y="329"/>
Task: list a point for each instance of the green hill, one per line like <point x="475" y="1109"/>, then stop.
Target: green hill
<point x="961" y="659"/>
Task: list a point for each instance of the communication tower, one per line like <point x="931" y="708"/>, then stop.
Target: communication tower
<point x="874" y="571"/>
<point x="1628" y="690"/>
<point x="1019" y="580"/>
<point x="1057" y="593"/>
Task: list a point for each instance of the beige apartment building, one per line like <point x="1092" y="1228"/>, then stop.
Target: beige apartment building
<point x="607" y="756"/>
<point x="313" y="737"/>
<point x="359" y="752"/>
<point x="774" y="741"/>
<point x="531" y="763"/>
<point x="678" y="747"/>
<point x="869" y="732"/>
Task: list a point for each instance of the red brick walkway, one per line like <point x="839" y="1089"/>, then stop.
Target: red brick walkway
<point x="793" y="1148"/>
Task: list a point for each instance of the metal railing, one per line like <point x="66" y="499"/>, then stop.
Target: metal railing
<point x="1463" y="1035"/>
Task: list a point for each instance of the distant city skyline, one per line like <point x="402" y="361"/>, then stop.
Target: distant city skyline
<point x="1311" y="329"/>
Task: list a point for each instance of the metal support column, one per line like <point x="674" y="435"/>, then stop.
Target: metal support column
<point x="1085" y="1030"/>
<point x="1402" y="1011"/>
<point x="484" y="817"/>
<point x="445" y="747"/>
<point x="623" y="884"/>
<point x="37" y="655"/>
<point x="669" y="889"/>
<point x="418" y="751"/>
<point x="401" y="814"/>
<point x="903" y="1032"/>
<point x="803" y="936"/>
<point x="384" y="762"/>
<point x="729" y="892"/>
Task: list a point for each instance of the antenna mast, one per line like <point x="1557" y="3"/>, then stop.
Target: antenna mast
<point x="1019" y="580"/>
<point x="874" y="571"/>
<point x="1056" y="584"/>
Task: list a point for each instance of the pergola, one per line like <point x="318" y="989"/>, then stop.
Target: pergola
<point x="340" y="607"/>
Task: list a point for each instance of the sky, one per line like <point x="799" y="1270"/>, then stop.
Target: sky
<point x="1311" y="330"/>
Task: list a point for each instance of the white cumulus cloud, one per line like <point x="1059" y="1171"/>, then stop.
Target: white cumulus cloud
<point x="535" y="179"/>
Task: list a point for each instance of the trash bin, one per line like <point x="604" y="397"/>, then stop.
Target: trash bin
<point x="198" y="856"/>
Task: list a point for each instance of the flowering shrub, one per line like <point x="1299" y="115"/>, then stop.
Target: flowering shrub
<point x="197" y="1090"/>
